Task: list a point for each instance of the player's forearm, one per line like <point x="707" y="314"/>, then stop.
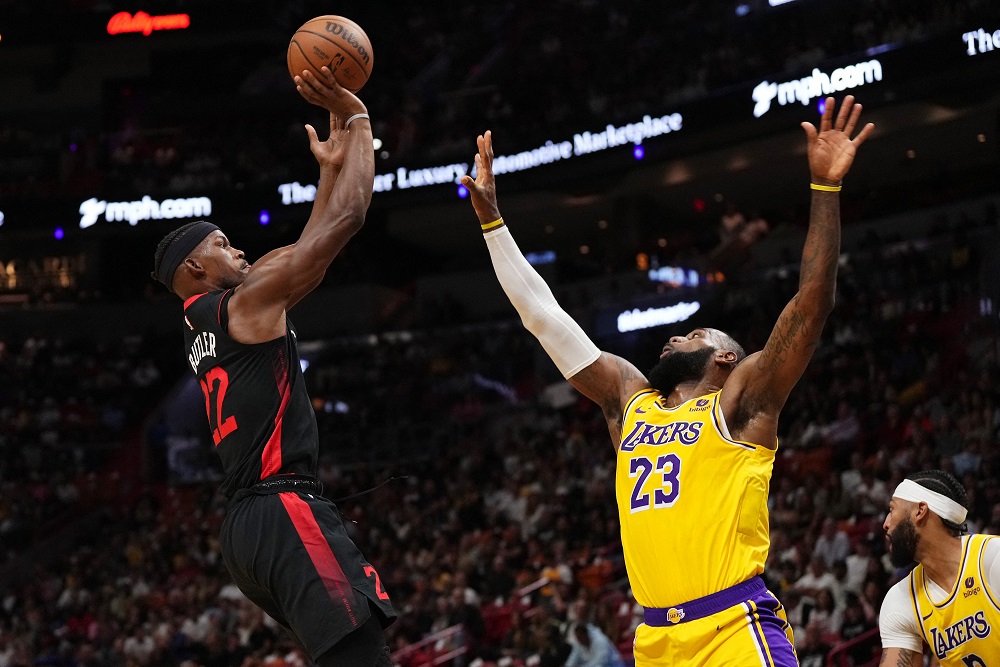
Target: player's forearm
<point x="821" y="253"/>
<point x="348" y="198"/>
<point x="328" y="175"/>
<point x="563" y="339"/>
<point x="352" y="194"/>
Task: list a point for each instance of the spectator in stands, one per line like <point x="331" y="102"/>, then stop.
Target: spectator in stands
<point x="813" y="649"/>
<point x="816" y="579"/>
<point x="855" y="623"/>
<point x="826" y="617"/>
<point x="859" y="563"/>
<point x="591" y="648"/>
<point x="833" y="544"/>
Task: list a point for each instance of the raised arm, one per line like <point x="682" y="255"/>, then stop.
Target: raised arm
<point x="281" y="278"/>
<point x="604" y="378"/>
<point x="330" y="156"/>
<point x="758" y="388"/>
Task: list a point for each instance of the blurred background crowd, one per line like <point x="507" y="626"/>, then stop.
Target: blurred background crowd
<point x="492" y="519"/>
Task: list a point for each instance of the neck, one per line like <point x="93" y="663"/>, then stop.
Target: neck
<point x="941" y="556"/>
<point x="685" y="391"/>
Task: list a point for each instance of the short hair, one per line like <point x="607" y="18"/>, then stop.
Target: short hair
<point x="947" y="485"/>
<point x="729" y="344"/>
<point x="166" y="242"/>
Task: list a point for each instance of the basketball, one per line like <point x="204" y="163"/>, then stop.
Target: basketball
<point x="336" y="42"/>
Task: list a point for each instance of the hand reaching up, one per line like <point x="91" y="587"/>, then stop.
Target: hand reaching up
<point x="831" y="149"/>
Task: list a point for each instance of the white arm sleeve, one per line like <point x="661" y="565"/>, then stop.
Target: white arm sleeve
<point x="991" y="566"/>
<point x="563" y="339"/>
<point x="897" y="622"/>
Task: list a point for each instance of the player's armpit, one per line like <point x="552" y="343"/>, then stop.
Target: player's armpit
<point x="610" y="382"/>
<point x="900" y="657"/>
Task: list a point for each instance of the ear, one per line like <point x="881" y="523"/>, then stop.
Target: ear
<point x="920" y="514"/>
<point x="194" y="266"/>
<point x="725" y="357"/>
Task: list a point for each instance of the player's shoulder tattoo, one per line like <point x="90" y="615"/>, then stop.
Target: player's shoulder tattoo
<point x="628" y="373"/>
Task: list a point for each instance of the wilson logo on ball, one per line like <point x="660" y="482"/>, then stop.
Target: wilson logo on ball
<point x="348" y="36"/>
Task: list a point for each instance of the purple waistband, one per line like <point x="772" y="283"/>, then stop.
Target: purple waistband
<point x="706" y="606"/>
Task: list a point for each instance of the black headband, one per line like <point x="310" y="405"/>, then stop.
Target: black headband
<point x="179" y="249"/>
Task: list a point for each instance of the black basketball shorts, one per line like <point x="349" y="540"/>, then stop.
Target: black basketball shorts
<point x="289" y="553"/>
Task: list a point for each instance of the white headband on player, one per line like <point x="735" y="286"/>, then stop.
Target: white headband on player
<point x="943" y="506"/>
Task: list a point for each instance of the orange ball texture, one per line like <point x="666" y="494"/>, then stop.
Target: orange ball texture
<point x="336" y="42"/>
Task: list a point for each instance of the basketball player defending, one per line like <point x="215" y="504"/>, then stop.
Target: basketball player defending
<point x="951" y="599"/>
<point x="696" y="440"/>
<point x="284" y="544"/>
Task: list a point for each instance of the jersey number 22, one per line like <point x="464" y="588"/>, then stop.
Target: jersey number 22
<point x="214" y="386"/>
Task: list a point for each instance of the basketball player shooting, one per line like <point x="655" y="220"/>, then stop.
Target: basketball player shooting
<point x="696" y="440"/>
<point x="951" y="599"/>
<point x="283" y="543"/>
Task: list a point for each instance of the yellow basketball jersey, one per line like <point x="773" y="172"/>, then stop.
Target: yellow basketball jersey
<point x="691" y="500"/>
<point x="962" y="630"/>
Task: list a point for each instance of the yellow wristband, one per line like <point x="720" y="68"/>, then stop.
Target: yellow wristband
<point x="492" y="225"/>
<point x="826" y="188"/>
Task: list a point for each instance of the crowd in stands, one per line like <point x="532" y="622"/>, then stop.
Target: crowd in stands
<point x="497" y="518"/>
<point x="66" y="405"/>
<point x="442" y="74"/>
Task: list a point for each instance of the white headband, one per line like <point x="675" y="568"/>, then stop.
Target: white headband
<point x="943" y="506"/>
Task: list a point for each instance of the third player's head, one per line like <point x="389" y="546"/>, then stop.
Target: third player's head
<point x="703" y="354"/>
<point x="198" y="258"/>
<point x="927" y="505"/>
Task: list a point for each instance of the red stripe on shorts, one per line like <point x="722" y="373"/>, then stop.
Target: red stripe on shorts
<point x="320" y="553"/>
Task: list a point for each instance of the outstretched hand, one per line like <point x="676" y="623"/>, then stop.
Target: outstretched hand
<point x="483" y="188"/>
<point x="329" y="153"/>
<point x="831" y="149"/>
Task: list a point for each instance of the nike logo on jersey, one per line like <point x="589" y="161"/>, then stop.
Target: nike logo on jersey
<point x="188" y="322"/>
<point x="640" y="411"/>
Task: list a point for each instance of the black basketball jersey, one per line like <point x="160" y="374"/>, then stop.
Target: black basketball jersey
<point x="259" y="413"/>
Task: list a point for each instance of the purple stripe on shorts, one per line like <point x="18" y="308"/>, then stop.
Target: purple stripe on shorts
<point x="782" y="651"/>
<point x="761" y="644"/>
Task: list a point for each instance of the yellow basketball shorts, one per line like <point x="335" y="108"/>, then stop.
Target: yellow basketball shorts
<point x="752" y="631"/>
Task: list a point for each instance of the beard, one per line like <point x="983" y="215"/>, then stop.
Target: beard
<point x="903" y="544"/>
<point x="677" y="368"/>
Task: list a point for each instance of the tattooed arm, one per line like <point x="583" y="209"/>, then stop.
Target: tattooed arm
<point x="758" y="388"/>
<point x="610" y="382"/>
<point x="900" y="657"/>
